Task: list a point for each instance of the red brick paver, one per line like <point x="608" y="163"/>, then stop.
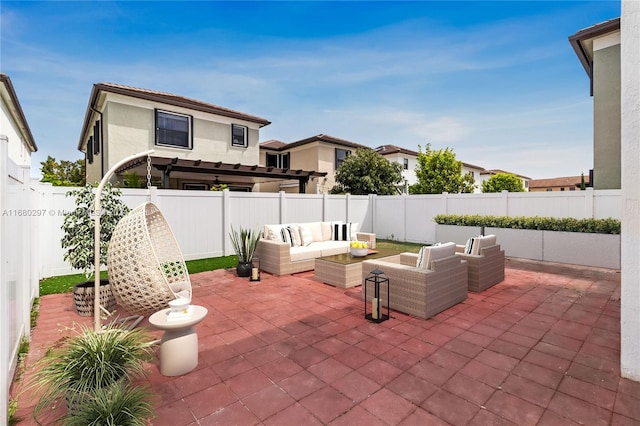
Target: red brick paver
<point x="540" y="348"/>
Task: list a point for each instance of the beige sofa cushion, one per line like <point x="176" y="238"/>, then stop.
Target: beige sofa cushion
<point x="429" y="254"/>
<point x="304" y="253"/>
<point x="329" y="248"/>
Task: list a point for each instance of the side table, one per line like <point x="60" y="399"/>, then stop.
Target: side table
<point x="179" y="343"/>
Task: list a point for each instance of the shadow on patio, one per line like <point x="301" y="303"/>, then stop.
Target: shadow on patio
<point x="540" y="348"/>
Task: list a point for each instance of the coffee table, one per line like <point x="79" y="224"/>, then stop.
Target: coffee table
<point x="344" y="270"/>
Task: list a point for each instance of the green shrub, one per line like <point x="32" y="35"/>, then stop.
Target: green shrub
<point x="567" y="224"/>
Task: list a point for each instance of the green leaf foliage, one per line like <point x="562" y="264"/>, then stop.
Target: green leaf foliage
<point x="503" y="182"/>
<point x="566" y="224"/>
<point x="79" y="226"/>
<point x="367" y="172"/>
<point x="438" y="172"/>
<point x="64" y="173"/>
<point x="244" y="242"/>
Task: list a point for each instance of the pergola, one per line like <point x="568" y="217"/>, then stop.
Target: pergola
<point x="217" y="171"/>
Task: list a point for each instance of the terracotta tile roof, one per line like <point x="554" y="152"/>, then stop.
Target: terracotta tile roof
<point x="565" y="181"/>
<point x="393" y="149"/>
<point x="317" y="138"/>
<point x="272" y="144"/>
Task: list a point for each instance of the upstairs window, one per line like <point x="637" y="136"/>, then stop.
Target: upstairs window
<point x="173" y="129"/>
<point x="280" y="161"/>
<point x="239" y="136"/>
<point x="406" y="164"/>
<point x="341" y="155"/>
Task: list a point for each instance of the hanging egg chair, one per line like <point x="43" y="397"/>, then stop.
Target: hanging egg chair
<point x="146" y="267"/>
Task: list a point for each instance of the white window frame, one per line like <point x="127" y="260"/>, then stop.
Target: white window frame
<point x="189" y="129"/>
<point x="245" y="142"/>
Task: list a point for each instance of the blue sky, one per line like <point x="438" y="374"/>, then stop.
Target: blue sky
<point x="497" y="82"/>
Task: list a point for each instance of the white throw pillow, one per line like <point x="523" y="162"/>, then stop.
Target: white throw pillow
<point x="342" y="231"/>
<point x="353" y="231"/>
<point x="306" y="236"/>
<point x="326" y="231"/>
<point x="428" y="254"/>
<point x="294" y="231"/>
<point x="285" y="236"/>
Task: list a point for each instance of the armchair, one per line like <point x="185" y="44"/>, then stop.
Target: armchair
<point x="486" y="263"/>
<point x="420" y="291"/>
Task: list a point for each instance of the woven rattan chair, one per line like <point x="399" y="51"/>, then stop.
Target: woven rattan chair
<point x="146" y="267"/>
<point x="486" y="268"/>
<point x="418" y="291"/>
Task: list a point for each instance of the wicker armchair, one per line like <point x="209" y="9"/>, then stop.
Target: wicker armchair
<point x="417" y="291"/>
<point x="486" y="269"/>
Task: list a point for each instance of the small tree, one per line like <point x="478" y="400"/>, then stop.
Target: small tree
<point x="439" y="171"/>
<point x="79" y="226"/>
<point x="64" y="173"/>
<point x="582" y="184"/>
<point x="503" y="182"/>
<point x="367" y="172"/>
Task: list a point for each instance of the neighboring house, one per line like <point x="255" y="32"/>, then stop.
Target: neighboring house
<point x="486" y="174"/>
<point x="598" y="49"/>
<point x="196" y="144"/>
<point x="566" y="183"/>
<point x="13" y="125"/>
<point x="321" y="153"/>
<point x="407" y="158"/>
<point x="476" y="172"/>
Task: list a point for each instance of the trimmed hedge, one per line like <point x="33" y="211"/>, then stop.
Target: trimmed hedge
<point x="597" y="226"/>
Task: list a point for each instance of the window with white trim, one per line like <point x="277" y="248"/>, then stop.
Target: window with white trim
<point x="173" y="129"/>
<point x="239" y="136"/>
<point x="280" y="161"/>
<point x="406" y="164"/>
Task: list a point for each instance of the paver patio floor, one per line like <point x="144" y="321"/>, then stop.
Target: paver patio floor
<point x="540" y="348"/>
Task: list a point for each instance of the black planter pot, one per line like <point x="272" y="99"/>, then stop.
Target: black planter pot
<point x="243" y="269"/>
<point x="84" y="295"/>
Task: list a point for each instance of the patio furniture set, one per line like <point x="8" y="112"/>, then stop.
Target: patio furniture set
<point x="419" y="284"/>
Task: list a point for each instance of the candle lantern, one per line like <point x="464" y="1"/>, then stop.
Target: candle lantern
<point x="374" y="283"/>
<point x="255" y="269"/>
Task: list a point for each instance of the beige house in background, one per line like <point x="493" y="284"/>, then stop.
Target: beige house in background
<point x="598" y="49"/>
<point x="566" y="183"/>
<point x="320" y="153"/>
<point x="196" y="144"/>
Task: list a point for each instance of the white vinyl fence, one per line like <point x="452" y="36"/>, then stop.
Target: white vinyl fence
<point x="201" y="220"/>
<point x="18" y="258"/>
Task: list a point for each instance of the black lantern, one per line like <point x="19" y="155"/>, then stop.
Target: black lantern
<point x="255" y="269"/>
<point x="375" y="279"/>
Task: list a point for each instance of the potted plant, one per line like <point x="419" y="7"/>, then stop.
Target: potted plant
<point x="244" y="243"/>
<point x="98" y="367"/>
<point x="78" y="242"/>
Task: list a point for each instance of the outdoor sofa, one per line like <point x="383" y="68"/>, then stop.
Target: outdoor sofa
<point x="290" y="248"/>
<point x="421" y="284"/>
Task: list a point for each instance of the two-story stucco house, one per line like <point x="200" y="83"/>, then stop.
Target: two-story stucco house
<point x="196" y="144"/>
<point x="407" y="158"/>
<point x="598" y="49"/>
<point x="322" y="153"/>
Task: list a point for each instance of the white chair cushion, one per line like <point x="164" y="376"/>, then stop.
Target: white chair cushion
<point x="429" y="254"/>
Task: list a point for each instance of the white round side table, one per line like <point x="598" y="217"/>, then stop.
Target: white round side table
<point x="179" y="343"/>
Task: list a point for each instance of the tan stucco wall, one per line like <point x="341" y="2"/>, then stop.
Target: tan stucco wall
<point x="606" y="118"/>
<point x="129" y="129"/>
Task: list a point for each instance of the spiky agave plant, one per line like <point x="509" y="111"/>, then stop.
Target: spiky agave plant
<point x="82" y="364"/>
<point x="244" y="243"/>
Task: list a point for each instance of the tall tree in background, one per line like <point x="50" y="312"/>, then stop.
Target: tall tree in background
<point x="64" y="173"/>
<point x="367" y="172"/>
<point x="439" y="171"/>
<point x="503" y="182"/>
